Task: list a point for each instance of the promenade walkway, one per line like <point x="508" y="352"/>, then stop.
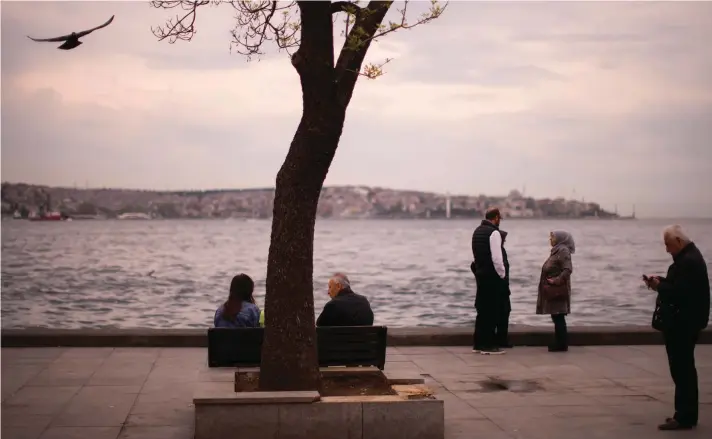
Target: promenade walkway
<point x="615" y="392"/>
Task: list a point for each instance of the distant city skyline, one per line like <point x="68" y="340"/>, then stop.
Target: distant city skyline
<point x="624" y="211"/>
<point x="611" y="99"/>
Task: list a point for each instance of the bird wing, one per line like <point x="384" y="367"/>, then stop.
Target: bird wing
<point x="87" y="32"/>
<point x="56" y="39"/>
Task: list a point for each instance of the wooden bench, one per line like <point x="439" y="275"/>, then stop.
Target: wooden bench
<point x="350" y="346"/>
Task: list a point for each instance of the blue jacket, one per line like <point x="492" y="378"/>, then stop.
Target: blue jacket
<point x="248" y="317"/>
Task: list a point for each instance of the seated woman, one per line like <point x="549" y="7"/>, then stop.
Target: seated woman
<point x="240" y="310"/>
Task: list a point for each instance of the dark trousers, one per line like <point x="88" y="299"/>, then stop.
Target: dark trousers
<point x="484" y="335"/>
<point x="487" y="306"/>
<point x="561" y="333"/>
<point x="502" y="324"/>
<point x="680" y="348"/>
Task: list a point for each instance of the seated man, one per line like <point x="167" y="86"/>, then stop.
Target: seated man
<point x="345" y="308"/>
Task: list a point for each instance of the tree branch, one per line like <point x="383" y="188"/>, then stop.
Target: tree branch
<point x="258" y="22"/>
<point x="345" y="6"/>
<point x="434" y="12"/>
<point x="316" y="50"/>
<point x="367" y="27"/>
<point x="183" y="27"/>
<point x="355" y="47"/>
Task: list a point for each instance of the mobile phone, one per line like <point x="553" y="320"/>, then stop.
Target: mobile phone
<point x="646" y="278"/>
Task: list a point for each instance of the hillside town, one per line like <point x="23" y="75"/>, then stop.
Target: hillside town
<point x="22" y="201"/>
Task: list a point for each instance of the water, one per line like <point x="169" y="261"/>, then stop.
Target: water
<point x="84" y="274"/>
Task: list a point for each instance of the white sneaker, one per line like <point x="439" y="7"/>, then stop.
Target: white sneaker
<point x="494" y="351"/>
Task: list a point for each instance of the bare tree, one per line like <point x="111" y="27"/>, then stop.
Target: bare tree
<point x="305" y="29"/>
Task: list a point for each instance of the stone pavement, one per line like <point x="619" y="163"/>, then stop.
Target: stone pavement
<point x="611" y="392"/>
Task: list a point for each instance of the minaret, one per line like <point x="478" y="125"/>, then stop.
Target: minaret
<point x="448" y="206"/>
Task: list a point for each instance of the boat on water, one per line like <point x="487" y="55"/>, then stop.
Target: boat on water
<point x="133" y="216"/>
<point x="47" y="216"/>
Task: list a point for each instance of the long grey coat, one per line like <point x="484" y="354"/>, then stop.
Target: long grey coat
<point x="558" y="266"/>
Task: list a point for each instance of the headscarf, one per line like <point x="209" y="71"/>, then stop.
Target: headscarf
<point x="563" y="239"/>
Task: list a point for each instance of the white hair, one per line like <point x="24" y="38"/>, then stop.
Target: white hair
<point x="675" y="232"/>
<point x="341" y="279"/>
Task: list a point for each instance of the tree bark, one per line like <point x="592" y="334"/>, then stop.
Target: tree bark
<point x="289" y="355"/>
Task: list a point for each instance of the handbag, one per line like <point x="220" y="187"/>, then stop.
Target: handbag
<point x="663" y="315"/>
<point x="554" y="291"/>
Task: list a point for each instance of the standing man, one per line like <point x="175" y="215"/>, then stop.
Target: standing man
<point x="684" y="297"/>
<point x="490" y="274"/>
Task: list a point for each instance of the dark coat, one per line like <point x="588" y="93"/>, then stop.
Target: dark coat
<point x="346" y="309"/>
<point x="559" y="267"/>
<point x="687" y="289"/>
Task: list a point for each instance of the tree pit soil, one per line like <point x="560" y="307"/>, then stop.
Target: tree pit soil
<point x="366" y="384"/>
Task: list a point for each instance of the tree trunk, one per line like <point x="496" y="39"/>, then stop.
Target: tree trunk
<point x="289" y="355"/>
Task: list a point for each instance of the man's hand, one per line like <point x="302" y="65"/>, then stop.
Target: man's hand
<point x="654" y="283"/>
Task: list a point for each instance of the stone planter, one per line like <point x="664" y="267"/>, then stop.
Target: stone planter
<point x="411" y="412"/>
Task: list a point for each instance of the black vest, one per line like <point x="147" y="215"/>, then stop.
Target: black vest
<point x="481" y="250"/>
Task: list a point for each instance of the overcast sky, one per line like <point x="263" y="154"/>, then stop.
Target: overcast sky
<point x="611" y="102"/>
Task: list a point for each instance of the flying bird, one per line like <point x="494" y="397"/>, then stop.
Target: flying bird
<point x="72" y="40"/>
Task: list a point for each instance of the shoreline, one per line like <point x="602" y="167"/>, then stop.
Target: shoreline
<point x="520" y="335"/>
<point x="367" y="218"/>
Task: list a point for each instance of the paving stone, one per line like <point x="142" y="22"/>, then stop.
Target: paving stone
<point x="85" y="354"/>
<point x="39" y="400"/>
<point x="248" y="421"/>
<point x="98" y="406"/>
<point x="122" y="372"/>
<point x="473" y="428"/>
<point x="14" y="376"/>
<point x="81" y="433"/>
<point x="26" y="432"/>
<point x="67" y="372"/>
<point x="455" y="408"/>
<point x="217" y="374"/>
<point x="30" y="355"/>
<point x="170" y="406"/>
<point x="161" y="433"/>
<point x="590" y="392"/>
<point x="17" y="418"/>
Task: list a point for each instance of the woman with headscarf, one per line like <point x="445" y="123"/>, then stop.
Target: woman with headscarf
<point x="554" y="296"/>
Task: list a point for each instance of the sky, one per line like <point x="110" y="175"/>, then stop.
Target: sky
<point x="603" y="101"/>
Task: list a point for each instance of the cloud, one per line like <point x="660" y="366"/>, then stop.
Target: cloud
<point x="612" y="99"/>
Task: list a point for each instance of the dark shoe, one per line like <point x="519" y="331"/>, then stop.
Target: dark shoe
<point x="492" y="351"/>
<point x="506" y="346"/>
<point x="672" y="424"/>
<point x="558" y="348"/>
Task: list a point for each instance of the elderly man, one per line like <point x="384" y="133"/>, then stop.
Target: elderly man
<point x="490" y="275"/>
<point x="345" y="308"/>
<point x="684" y="298"/>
